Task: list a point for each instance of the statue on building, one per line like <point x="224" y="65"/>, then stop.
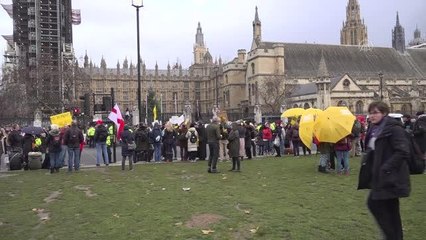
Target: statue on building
<point x="187" y="112"/>
<point x="215" y="111"/>
<point x="257" y="114"/>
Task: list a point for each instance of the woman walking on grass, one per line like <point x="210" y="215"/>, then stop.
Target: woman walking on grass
<point x="390" y="173"/>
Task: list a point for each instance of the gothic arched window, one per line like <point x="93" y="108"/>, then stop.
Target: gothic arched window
<point x="226" y="79"/>
<point x="306" y="106"/>
<point x="252" y="68"/>
<point x="342" y="103"/>
<point x="359" y="107"/>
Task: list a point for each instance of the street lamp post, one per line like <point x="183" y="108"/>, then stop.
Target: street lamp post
<point x="138" y="4"/>
<point x="381" y="85"/>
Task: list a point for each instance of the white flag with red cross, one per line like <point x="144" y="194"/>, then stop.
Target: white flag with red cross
<point x="117" y="118"/>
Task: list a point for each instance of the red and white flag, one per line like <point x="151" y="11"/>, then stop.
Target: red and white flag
<point x="117" y="118"/>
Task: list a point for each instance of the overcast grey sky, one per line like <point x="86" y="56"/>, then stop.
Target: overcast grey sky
<point x="168" y="27"/>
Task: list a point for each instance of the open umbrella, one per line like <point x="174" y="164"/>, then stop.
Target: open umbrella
<point x="333" y="124"/>
<point x="306" y="126"/>
<point x="32" y="130"/>
<point x="314" y="111"/>
<point x="293" y="112"/>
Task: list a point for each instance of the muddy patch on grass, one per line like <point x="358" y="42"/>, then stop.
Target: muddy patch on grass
<point x="53" y="196"/>
<point x="4" y="175"/>
<point x="42" y="214"/>
<point x="203" y="220"/>
<point x="86" y="190"/>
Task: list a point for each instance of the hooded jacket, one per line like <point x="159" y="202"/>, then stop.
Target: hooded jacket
<point x="390" y="173"/>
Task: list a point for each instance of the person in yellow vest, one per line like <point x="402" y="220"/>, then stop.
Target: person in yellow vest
<point x="90" y="136"/>
<point x="110" y="141"/>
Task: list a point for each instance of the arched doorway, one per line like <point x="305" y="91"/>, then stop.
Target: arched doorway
<point x="295" y="106"/>
<point x="359" y="107"/>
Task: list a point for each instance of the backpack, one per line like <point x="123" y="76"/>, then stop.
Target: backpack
<point x="56" y="142"/>
<point x="102" y="135"/>
<point x="73" y="137"/>
<point x="356" y="129"/>
<point x="416" y="162"/>
<point x="193" y="138"/>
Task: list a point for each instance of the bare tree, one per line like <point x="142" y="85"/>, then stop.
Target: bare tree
<point x="45" y="87"/>
<point x="274" y="92"/>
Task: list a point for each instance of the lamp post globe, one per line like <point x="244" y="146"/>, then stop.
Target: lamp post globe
<point x="137" y="3"/>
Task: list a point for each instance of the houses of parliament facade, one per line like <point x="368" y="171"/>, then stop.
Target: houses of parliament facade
<point x="321" y="75"/>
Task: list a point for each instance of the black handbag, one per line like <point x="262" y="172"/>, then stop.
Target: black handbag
<point x="366" y="171"/>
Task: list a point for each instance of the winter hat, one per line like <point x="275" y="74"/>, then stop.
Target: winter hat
<point x="99" y="122"/>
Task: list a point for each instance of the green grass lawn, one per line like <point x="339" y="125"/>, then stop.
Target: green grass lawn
<point x="271" y="198"/>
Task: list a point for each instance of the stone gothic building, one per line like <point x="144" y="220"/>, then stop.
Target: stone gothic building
<point x="318" y="75"/>
<point x="177" y="88"/>
<point x="322" y="75"/>
<point x="354" y="31"/>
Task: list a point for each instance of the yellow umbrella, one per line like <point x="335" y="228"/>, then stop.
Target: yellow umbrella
<point x="306" y="127"/>
<point x="314" y="111"/>
<point x="333" y="124"/>
<point x="293" y="112"/>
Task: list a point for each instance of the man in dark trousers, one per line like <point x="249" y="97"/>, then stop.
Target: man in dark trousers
<point x="213" y="137"/>
<point x="201" y="130"/>
<point x="73" y="138"/>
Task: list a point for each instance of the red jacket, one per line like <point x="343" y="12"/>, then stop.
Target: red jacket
<point x="343" y="145"/>
<point x="267" y="134"/>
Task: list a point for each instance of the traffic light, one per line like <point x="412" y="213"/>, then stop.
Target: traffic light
<point x="86" y="103"/>
<point x="76" y="111"/>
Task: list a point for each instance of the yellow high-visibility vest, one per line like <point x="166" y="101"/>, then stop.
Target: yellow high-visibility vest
<point x="91" y="132"/>
<point x="37" y="142"/>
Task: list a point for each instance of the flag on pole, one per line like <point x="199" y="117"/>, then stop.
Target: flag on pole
<point x="116" y="117"/>
<point x="155" y="112"/>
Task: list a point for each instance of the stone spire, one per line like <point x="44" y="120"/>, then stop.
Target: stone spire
<point x="168" y="69"/>
<point x="103" y="63"/>
<point x="322" y="69"/>
<point x="118" y="67"/>
<point x="323" y="85"/>
<point x="257" y="27"/>
<point x="417" y="33"/>
<point x="156" y="69"/>
<point x="125" y="63"/>
<point x="354" y="31"/>
<point x="86" y="61"/>
<point x="199" y="37"/>
<point x="131" y="69"/>
<point x="398" y="36"/>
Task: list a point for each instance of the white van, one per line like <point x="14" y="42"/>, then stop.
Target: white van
<point x="397" y="116"/>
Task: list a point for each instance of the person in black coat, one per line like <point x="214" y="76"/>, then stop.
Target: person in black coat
<point x="202" y="144"/>
<point x="419" y="131"/>
<point x="127" y="139"/>
<point x="27" y="147"/>
<point x="390" y="172"/>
